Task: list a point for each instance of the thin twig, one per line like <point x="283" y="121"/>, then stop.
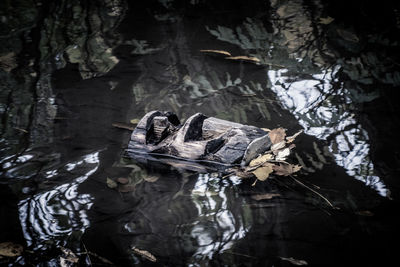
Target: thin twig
<point x="87" y="253"/>
<point x="312" y="190"/>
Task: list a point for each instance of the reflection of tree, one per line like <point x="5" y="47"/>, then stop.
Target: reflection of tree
<point x="318" y="97"/>
<point x="56" y="213"/>
<point x="42" y="38"/>
<point x="180" y="217"/>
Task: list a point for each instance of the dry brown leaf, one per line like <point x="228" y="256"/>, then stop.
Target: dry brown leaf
<point x="221" y="52"/>
<point x="283" y="154"/>
<point x="10" y="249"/>
<point x="290" y="139"/>
<point x="260" y="160"/>
<point x="276" y="147"/>
<point x="144" y="254"/>
<point x="263" y="172"/>
<point x="277" y="135"/>
<point x="294" y="261"/>
<point x="286" y="169"/>
<point x="245" y="58"/>
<point x="265" y="196"/>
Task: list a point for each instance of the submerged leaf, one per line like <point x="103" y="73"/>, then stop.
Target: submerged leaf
<point x="265" y="196"/>
<point x="294" y="261"/>
<point x="122" y="180"/>
<point x="125" y="188"/>
<point x="277" y="135"/>
<point x="365" y="213"/>
<point x="150" y="178"/>
<point x="144" y="254"/>
<point x="10" y="249"/>
<point x="286" y="169"/>
<point x="111" y="183"/>
<point x="263" y="172"/>
<point x="260" y="160"/>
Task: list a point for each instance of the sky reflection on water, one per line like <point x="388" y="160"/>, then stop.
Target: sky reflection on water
<point x="309" y="101"/>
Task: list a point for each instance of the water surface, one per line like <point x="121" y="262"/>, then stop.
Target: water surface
<point x="70" y="69"/>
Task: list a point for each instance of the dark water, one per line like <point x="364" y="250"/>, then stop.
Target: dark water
<point x="70" y="69"/>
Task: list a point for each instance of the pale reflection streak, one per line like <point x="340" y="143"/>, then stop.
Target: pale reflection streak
<point x="216" y="229"/>
<point x="350" y="147"/>
<point x="61" y="210"/>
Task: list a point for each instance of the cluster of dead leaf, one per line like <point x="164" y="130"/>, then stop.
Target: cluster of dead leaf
<point x="273" y="160"/>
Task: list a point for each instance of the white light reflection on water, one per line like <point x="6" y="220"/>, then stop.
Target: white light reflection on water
<point x="217" y="229"/>
<point x="61" y="210"/>
<point x="321" y="118"/>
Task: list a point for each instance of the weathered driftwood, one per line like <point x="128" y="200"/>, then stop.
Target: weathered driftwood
<point x="199" y="138"/>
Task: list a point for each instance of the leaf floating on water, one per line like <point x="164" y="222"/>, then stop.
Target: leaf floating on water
<point x="277" y="135"/>
<point x="276" y="147"/>
<point x="9" y="249"/>
<point x="134" y="121"/>
<point x="294" y="261"/>
<point x="286" y="169"/>
<point x="123" y="126"/>
<point x="144" y="254"/>
<point x="220" y="52"/>
<point x="265" y="196"/>
<point x="111" y="183"/>
<point x="263" y="172"/>
<point x="245" y="58"/>
<point x="260" y="160"/>
<point x="326" y="20"/>
<point x="283" y="154"/>
<point x="265" y="129"/>
<point x="290" y="139"/>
